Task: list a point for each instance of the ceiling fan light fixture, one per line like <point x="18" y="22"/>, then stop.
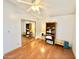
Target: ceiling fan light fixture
<point x="35" y="5"/>
<point x="21" y="1"/>
<point x="35" y="8"/>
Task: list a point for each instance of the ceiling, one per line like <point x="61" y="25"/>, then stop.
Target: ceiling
<point x="52" y="7"/>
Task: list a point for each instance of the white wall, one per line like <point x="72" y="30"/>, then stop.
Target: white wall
<point x="33" y="28"/>
<point x="11" y="28"/>
<point x="65" y="27"/>
<point x="22" y="27"/>
<point x="74" y="38"/>
<point x="38" y="28"/>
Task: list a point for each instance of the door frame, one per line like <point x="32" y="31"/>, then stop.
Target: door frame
<point x="30" y="21"/>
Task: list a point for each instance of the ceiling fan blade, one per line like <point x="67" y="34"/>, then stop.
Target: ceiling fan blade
<point x="38" y="11"/>
<point x="24" y="2"/>
<point x="32" y="8"/>
<point x="37" y="1"/>
<point x="40" y="3"/>
<point x="41" y="6"/>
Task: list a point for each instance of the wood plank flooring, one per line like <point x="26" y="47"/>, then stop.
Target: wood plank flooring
<point x="39" y="49"/>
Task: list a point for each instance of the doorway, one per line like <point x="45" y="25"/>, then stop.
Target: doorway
<point x="28" y="30"/>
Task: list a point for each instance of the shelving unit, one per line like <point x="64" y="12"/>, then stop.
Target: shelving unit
<point x="51" y="31"/>
<point x="28" y="30"/>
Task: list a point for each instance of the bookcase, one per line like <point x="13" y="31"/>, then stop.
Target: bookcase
<point x="51" y="30"/>
<point x="28" y="30"/>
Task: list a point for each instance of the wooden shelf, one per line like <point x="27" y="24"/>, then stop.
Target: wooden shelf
<point x="51" y="30"/>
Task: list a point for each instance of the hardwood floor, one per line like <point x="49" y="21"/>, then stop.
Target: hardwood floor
<point x="38" y="49"/>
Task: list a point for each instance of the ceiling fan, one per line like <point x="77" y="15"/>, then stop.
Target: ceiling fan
<point x="36" y="5"/>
